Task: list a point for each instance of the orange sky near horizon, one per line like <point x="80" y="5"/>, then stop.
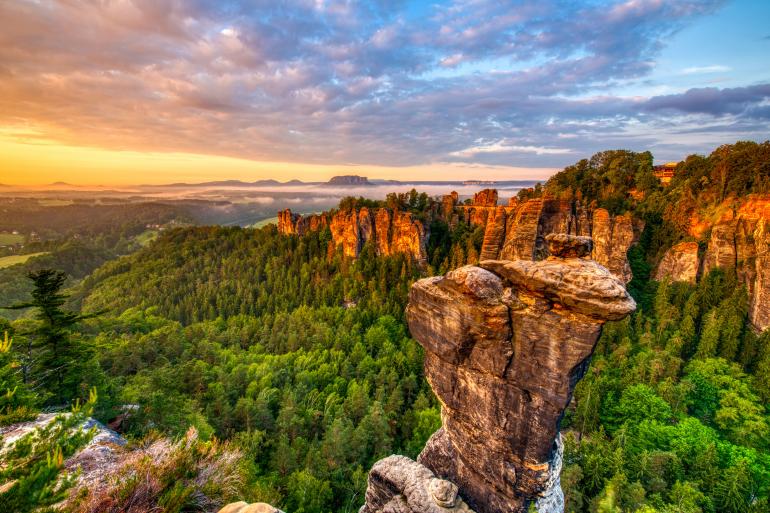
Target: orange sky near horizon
<point x="35" y="161"/>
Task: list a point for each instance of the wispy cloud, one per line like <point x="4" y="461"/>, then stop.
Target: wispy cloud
<point x="696" y="70"/>
<point x="501" y="147"/>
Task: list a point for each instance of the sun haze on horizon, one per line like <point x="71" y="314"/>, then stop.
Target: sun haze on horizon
<point x="142" y="91"/>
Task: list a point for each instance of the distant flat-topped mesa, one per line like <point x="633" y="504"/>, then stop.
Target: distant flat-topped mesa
<point x="348" y="180"/>
<point x="505" y="344"/>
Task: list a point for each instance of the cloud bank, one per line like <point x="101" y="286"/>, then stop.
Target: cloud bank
<point x="377" y="82"/>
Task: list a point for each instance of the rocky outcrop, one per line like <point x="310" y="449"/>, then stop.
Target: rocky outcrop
<point x="101" y="453"/>
<point x="737" y="237"/>
<point x="515" y="231"/>
<point x="448" y="204"/>
<point x="348" y="180"/>
<point x="296" y="224"/>
<point x="613" y="237"/>
<point x="494" y="234"/>
<point x="680" y="263"/>
<point x="740" y="240"/>
<point x="392" y="232"/>
<point x="408" y="235"/>
<point x="505" y="345"/>
<point x="485" y="198"/>
<point x="399" y="485"/>
<point x="311" y="223"/>
<point x="383" y="223"/>
<point x="287" y="222"/>
<point x="346" y="232"/>
<point x="521" y="231"/>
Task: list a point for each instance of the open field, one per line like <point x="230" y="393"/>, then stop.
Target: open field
<point x="265" y="222"/>
<point x="9" y="238"/>
<point x="17" y="259"/>
<point x="146" y="237"/>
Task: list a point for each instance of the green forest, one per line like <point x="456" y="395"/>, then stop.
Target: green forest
<point x="281" y="351"/>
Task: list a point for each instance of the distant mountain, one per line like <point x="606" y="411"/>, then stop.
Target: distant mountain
<point x="232" y="183"/>
<point x="349" y="180"/>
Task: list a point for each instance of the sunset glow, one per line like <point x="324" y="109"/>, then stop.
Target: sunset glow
<point x="153" y="92"/>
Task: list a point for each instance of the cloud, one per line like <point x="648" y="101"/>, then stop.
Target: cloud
<point x="696" y="70"/>
<point x="501" y="147"/>
<point x="713" y="101"/>
<point x="337" y="82"/>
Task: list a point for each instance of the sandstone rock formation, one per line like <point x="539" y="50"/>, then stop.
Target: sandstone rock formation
<point x="407" y="235"/>
<point x="485" y="198"/>
<point x="296" y="224"/>
<point x="612" y="238"/>
<point x="738" y="239"/>
<point x="515" y="231"/>
<point x="505" y="345"/>
<point x="400" y="485"/>
<point x="287" y="222"/>
<point x="392" y="232"/>
<point x="521" y="231"/>
<point x="680" y="263"/>
<point x="448" y="204"/>
<point x="494" y="234"/>
<point x="348" y="180"/>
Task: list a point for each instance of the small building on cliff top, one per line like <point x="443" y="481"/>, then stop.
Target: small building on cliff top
<point x="665" y="172"/>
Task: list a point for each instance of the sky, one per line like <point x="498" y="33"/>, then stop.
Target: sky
<point x="157" y="91"/>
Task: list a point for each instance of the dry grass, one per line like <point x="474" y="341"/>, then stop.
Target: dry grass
<point x="8" y="261"/>
<point x="165" y="476"/>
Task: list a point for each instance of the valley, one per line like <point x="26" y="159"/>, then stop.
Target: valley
<point x="290" y="341"/>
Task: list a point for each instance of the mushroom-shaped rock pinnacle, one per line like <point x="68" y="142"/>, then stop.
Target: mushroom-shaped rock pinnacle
<point x="579" y="285"/>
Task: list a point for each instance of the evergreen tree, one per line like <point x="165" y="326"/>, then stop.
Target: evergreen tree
<point x="16" y="400"/>
<point x="709" y="341"/>
<point x="59" y="356"/>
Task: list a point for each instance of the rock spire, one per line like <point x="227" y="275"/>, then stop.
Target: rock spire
<point x="505" y="344"/>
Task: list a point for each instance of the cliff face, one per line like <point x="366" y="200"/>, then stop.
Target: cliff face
<point x="296" y="224"/>
<point x="287" y="222"/>
<point x="612" y="239"/>
<point x="486" y="198"/>
<point x="739" y="239"/>
<point x="680" y="263"/>
<point x="392" y="232"/>
<point x="517" y="231"/>
<point x="505" y="345"/>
